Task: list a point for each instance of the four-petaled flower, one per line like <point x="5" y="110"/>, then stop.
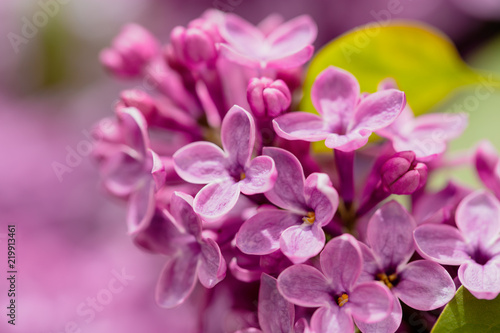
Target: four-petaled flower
<point x="346" y="118"/>
<point x="422" y="284"/>
<point x="227" y="172"/>
<point x="475" y="245"/>
<point x="308" y="205"/>
<point x="335" y="290"/>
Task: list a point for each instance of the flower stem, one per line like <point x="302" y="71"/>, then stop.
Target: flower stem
<point x="345" y="168"/>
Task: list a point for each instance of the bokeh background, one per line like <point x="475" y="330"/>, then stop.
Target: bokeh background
<point x="71" y="236"/>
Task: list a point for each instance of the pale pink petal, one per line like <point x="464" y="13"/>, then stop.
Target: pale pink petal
<point x="440" y="126"/>
<point x="134" y="128"/>
<point x="200" y="163"/>
<point x="348" y="142"/>
<point x="261" y="233"/>
<point x="260" y="176"/>
<point x="331" y="319"/>
<point x="305" y="286"/>
<point x="242" y="36"/>
<point x="424" y="285"/>
<point x="158" y="171"/>
<point x="390" y="235"/>
<point x="238" y="135"/>
<point x="276" y="315"/>
<point x="478" y="217"/>
<point x="378" y="110"/>
<point x="387" y="325"/>
<point x="321" y="197"/>
<point x="288" y="190"/>
<point x="292" y="36"/>
<point x="301" y="126"/>
<point x="335" y="94"/>
<point x="177" y="279"/>
<point x="122" y="171"/>
<point x="239" y="59"/>
<point x="212" y="267"/>
<point x="301" y="242"/>
<point x="182" y="211"/>
<point x="216" y="199"/>
<point x="293" y="60"/>
<point x="371" y="266"/>
<point x="141" y="206"/>
<point x="341" y="262"/>
<point x="441" y="243"/>
<point x="370" y="302"/>
<point x="483" y="281"/>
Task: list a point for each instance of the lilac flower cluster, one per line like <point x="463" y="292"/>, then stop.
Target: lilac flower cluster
<point x="216" y="167"/>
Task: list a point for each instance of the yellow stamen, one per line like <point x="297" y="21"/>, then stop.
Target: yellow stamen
<point x="242" y="176"/>
<point x="342" y="300"/>
<point x="309" y="218"/>
<point x="387" y="280"/>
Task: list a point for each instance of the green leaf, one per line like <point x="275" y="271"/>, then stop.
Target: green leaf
<point x="425" y="64"/>
<point x="467" y="314"/>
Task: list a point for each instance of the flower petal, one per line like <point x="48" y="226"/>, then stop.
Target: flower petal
<point x="122" y="170"/>
<point x="331" y="319"/>
<point x="238" y="135"/>
<point x="334" y="94"/>
<point x="389" y="324"/>
<point x="260" y="176"/>
<point x="134" y="129"/>
<point x="276" y="315"/>
<point x="305" y="286"/>
<point x="424" y="285"/>
<point x="441" y="243"/>
<point x="292" y="36"/>
<point x="200" y="163"/>
<point x="390" y="235"/>
<point x="288" y="190"/>
<point x="348" y="142"/>
<point x="216" y="199"/>
<point x="478" y="217"/>
<point x="301" y="242"/>
<point x="301" y="126"/>
<point x="242" y="36"/>
<point x="261" y="233"/>
<point x="291" y="61"/>
<point x="488" y="166"/>
<point x="141" y="206"/>
<point x="182" y="210"/>
<point x="341" y="262"/>
<point x="212" y="268"/>
<point x="371" y="266"/>
<point x="370" y="302"/>
<point x="177" y="279"/>
<point x="321" y="197"/>
<point x="378" y="110"/>
<point x="483" y="281"/>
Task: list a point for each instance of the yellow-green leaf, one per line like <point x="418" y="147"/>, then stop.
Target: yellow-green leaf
<point x="467" y="314"/>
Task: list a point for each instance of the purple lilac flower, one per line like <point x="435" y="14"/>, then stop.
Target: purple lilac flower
<point x="268" y="98"/>
<point x="287" y="46"/>
<point x="346" y="119"/>
<point x="423" y="285"/>
<point x="307" y="206"/>
<point x="402" y="174"/>
<point x="128" y="166"/>
<point x="425" y="135"/>
<point x="191" y="255"/>
<point x="335" y="289"/>
<point x="475" y="245"/>
<point x="487" y="163"/>
<point x="227" y="172"/>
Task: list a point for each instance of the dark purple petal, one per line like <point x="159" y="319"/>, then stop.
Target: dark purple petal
<point x="305" y="286"/>
<point x="390" y="235"/>
<point x="276" y="315"/>
<point x="424" y="285"/>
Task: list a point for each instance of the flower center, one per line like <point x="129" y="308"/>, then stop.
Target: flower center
<point x="389" y="280"/>
<point x="342" y="299"/>
<point x="242" y="175"/>
<point x="309" y="218"/>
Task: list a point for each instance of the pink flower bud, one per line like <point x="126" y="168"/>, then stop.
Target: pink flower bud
<point x="268" y="98"/>
<point x="401" y="174"/>
<point x="130" y="51"/>
<point x="195" y="45"/>
<point x="139" y="100"/>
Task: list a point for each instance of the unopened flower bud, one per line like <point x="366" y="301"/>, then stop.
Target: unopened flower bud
<point x="130" y="51"/>
<point x="139" y="100"/>
<point x="268" y="98"/>
<point x="401" y="174"/>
